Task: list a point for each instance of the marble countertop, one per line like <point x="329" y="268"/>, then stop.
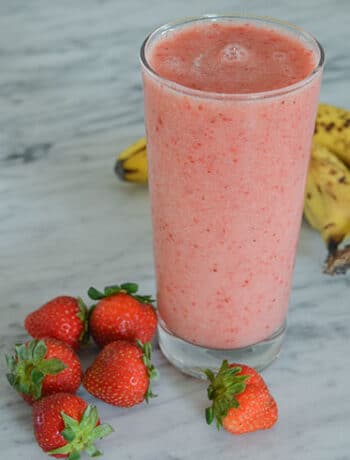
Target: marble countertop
<point x="71" y="98"/>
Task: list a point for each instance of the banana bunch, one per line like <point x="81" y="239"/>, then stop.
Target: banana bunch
<point x="327" y="196"/>
<point x="327" y="204"/>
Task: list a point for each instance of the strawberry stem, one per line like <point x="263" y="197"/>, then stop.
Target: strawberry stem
<point x="153" y="374"/>
<point x="126" y="288"/>
<point x="94" y="294"/>
<point x="223" y="388"/>
<point x="80" y="435"/>
<point x="28" y="367"/>
<point x="130" y="288"/>
<point x="83" y="315"/>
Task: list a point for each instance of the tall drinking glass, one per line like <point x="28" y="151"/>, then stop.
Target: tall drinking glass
<point x="227" y="170"/>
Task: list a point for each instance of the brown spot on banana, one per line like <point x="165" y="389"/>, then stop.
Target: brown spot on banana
<point x="328" y="127"/>
<point x="329" y="225"/>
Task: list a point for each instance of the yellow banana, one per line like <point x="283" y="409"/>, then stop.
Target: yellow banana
<point x="131" y="164"/>
<point x="333" y="130"/>
<point x="327" y="196"/>
<point x="327" y="204"/>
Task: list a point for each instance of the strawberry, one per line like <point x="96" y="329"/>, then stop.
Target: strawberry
<point x="121" y="374"/>
<point x="65" y="425"/>
<point x="42" y="367"/>
<point x="121" y="314"/>
<point x="241" y="400"/>
<point x="63" y="318"/>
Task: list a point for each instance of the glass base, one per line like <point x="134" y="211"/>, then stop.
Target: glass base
<point x="191" y="359"/>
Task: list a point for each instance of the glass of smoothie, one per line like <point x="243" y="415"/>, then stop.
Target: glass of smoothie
<point x="230" y="105"/>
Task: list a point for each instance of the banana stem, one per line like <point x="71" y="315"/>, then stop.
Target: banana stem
<point x="338" y="261"/>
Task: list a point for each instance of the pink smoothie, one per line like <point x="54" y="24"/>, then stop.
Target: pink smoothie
<point x="227" y="177"/>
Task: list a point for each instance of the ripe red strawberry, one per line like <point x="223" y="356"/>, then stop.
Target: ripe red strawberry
<point x="63" y="318"/>
<point x="43" y="367"/>
<point x="65" y="425"/>
<point x="241" y="400"/>
<point x="121" y="374"/>
<point x="121" y="314"/>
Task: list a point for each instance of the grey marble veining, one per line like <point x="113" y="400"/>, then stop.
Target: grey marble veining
<point x="71" y="97"/>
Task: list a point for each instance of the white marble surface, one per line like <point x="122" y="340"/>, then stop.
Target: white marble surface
<point x="71" y="97"/>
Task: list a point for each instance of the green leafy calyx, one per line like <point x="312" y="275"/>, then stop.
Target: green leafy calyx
<point x="81" y="435"/>
<point x="28" y="367"/>
<point x="126" y="288"/>
<point x="83" y="315"/>
<point x="153" y="374"/>
<point x="222" y="391"/>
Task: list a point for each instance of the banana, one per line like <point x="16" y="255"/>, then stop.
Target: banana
<point x="327" y="196"/>
<point x="327" y="204"/>
<point x="131" y="164"/>
<point x="333" y="130"/>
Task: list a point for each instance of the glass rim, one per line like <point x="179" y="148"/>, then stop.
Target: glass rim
<point x="235" y="96"/>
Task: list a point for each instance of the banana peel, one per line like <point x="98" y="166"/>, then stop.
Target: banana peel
<point x="327" y="196"/>
<point x="332" y="129"/>
<point x="131" y="164"/>
<point x="327" y="204"/>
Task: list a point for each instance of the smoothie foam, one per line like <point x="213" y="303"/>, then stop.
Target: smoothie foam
<point x="228" y="58"/>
